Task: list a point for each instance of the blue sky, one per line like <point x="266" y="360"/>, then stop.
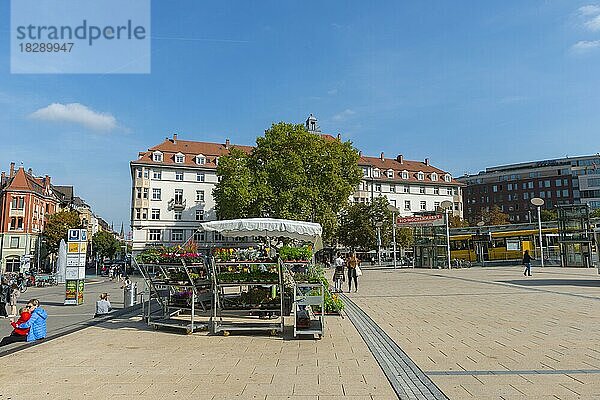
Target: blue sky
<point x="467" y="84"/>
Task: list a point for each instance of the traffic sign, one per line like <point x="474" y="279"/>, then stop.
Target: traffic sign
<point x="74" y="235"/>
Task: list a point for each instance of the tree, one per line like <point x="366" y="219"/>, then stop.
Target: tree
<point x="595" y="213"/>
<point x="494" y="216"/>
<point x="456" y="222"/>
<point x="358" y="224"/>
<point x="57" y="228"/>
<point x="105" y="244"/>
<point x="404" y="237"/>
<point x="548" y="215"/>
<point x="291" y="173"/>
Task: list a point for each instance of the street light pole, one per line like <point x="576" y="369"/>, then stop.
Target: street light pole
<point x="536" y="201"/>
<point x="447" y="205"/>
<point x="379" y="243"/>
<point x="393" y="210"/>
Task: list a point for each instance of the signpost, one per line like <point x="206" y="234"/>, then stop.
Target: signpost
<point x="437" y="219"/>
<point x="538" y="202"/>
<point x="75" y="268"/>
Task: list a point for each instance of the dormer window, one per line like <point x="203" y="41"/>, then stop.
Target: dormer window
<point x="179" y="158"/>
<point x="448" y="178"/>
<point x="405" y="174"/>
<point x="420" y="175"/>
<point x="365" y="172"/>
<point x="390" y="173"/>
<point x="157" y="156"/>
<point x="434" y="177"/>
<point x="376" y="173"/>
<point x="216" y="160"/>
<point x="200" y="159"/>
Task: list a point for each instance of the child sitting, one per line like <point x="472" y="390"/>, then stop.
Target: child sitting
<point x="18" y="334"/>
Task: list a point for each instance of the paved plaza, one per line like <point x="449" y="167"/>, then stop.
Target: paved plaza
<point x="476" y="333"/>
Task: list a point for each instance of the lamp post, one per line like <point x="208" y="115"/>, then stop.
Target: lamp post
<point x="536" y="201"/>
<point x="447" y="205"/>
<point x="378" y="225"/>
<point x="394" y="210"/>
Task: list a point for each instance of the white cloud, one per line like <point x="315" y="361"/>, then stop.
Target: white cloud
<point x="78" y="114"/>
<point x="332" y="92"/>
<point x="590" y="9"/>
<point x="593" y="24"/>
<point x="344" y="115"/>
<point x="585" y="45"/>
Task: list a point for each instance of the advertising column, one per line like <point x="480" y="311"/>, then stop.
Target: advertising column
<point x="75" y="269"/>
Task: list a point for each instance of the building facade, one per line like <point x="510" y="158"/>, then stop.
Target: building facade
<point x="410" y="186"/>
<point x="569" y="180"/>
<point x="172" y="185"/>
<point x="26" y="202"/>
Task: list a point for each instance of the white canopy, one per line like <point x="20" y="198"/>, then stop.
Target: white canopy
<point x="268" y="227"/>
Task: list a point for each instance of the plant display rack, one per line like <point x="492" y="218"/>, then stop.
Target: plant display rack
<point x="247" y="296"/>
<point x="306" y="295"/>
<point x="179" y="288"/>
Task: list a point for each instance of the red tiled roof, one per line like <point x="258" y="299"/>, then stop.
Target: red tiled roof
<point x="23" y="181"/>
<point x="413" y="167"/>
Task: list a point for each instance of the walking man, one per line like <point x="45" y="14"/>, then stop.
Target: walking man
<point x="527" y="263"/>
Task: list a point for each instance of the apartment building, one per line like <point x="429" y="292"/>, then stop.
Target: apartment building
<point x="25" y="203"/>
<point x="569" y="180"/>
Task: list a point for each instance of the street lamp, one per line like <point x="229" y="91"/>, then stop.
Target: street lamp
<point x="378" y="225"/>
<point x="536" y="201"/>
<point x="394" y="210"/>
<point x="447" y="205"/>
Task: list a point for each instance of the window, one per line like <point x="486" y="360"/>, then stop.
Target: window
<point x="509" y="186"/>
<point x="154" y="235"/>
<point x="157" y="156"/>
<point x="17" y="203"/>
<point x="146" y="173"/>
<point x="199" y="237"/>
<point x="16" y="223"/>
<point x="420" y="175"/>
<point x="365" y="171"/>
<point x="199" y="195"/>
<point x="406" y="205"/>
<point x="392" y="189"/>
<point x="13" y="264"/>
<point x="179" y="176"/>
<point x="376" y="173"/>
<point x="436" y="190"/>
<point x="138" y="213"/>
<point x="155" y="214"/>
<point x="390" y="174"/>
<point x="530" y="185"/>
<point x="138" y="193"/>
<point x="456" y="206"/>
<point x="199" y="215"/>
<point x="177" y="235"/>
<point x="565" y="193"/>
<point x="542" y="195"/>
<point x="434" y="177"/>
<point x="155" y="194"/>
<point x="423" y="206"/>
<point x="525" y="196"/>
<point x="422" y="189"/>
<point x="177" y="216"/>
<point x="448" y="178"/>
<point x="199" y="176"/>
<point x="558" y="182"/>
<point x="436" y="205"/>
<point x="138" y="172"/>
<point x="14" y="242"/>
<point x="495" y="188"/>
<point x="547" y="184"/>
<point x="146" y="191"/>
<point x="200" y="159"/>
<point x="157" y="175"/>
<point x="378" y="187"/>
<point x="406" y="189"/>
<point x="179" y="158"/>
<point x="144" y="213"/>
<point x="404" y="174"/>
<point x="449" y="191"/>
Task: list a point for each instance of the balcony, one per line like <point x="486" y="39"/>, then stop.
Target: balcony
<point x="177" y="204"/>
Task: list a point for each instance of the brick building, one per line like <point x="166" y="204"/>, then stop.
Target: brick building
<point x="25" y="203"/>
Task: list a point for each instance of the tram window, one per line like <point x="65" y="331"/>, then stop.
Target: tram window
<point x="498" y="242"/>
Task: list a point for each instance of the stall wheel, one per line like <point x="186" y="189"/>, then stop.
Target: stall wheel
<point x="273" y="332"/>
<point x="225" y="333"/>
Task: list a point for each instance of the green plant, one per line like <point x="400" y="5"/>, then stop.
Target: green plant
<point x="288" y="253"/>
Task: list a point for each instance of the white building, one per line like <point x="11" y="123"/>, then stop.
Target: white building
<point x="172" y="187"/>
<point x="410" y="186"/>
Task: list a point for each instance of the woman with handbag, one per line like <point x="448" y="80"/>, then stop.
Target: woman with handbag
<point x="353" y="268"/>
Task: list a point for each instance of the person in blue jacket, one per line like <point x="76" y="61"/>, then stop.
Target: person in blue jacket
<point x="37" y="322"/>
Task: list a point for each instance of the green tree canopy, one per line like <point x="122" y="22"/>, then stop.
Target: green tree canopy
<point x="291" y="173"/>
<point x="105" y="244"/>
<point x="359" y="222"/>
<point x="549" y="215"/>
<point x="595" y="213"/>
<point x="494" y="217"/>
<point x="57" y="228"/>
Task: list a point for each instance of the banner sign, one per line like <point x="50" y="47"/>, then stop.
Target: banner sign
<point x="71" y="292"/>
<point x="437" y="219"/>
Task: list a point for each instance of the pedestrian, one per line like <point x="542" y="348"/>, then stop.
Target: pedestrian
<point x="352" y="265"/>
<point x="103" y="306"/>
<point x="338" y="274"/>
<point x="527" y="263"/>
<point x="4" y="297"/>
<point x="37" y="322"/>
<point x="18" y="334"/>
<point x="14" y="295"/>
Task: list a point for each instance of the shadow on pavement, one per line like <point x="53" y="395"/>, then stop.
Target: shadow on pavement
<point x="594" y="282"/>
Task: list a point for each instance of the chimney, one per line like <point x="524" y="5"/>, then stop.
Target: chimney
<point x="382" y="157"/>
<point x="174" y="138"/>
<point x="141" y="154"/>
<point x="47" y="181"/>
<point x="427" y="161"/>
<point x="227" y="143"/>
<point x="360" y="153"/>
<point x="339" y="136"/>
<point x="12" y="170"/>
<point x="3" y="178"/>
<point x="400" y="158"/>
<point x="30" y="171"/>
